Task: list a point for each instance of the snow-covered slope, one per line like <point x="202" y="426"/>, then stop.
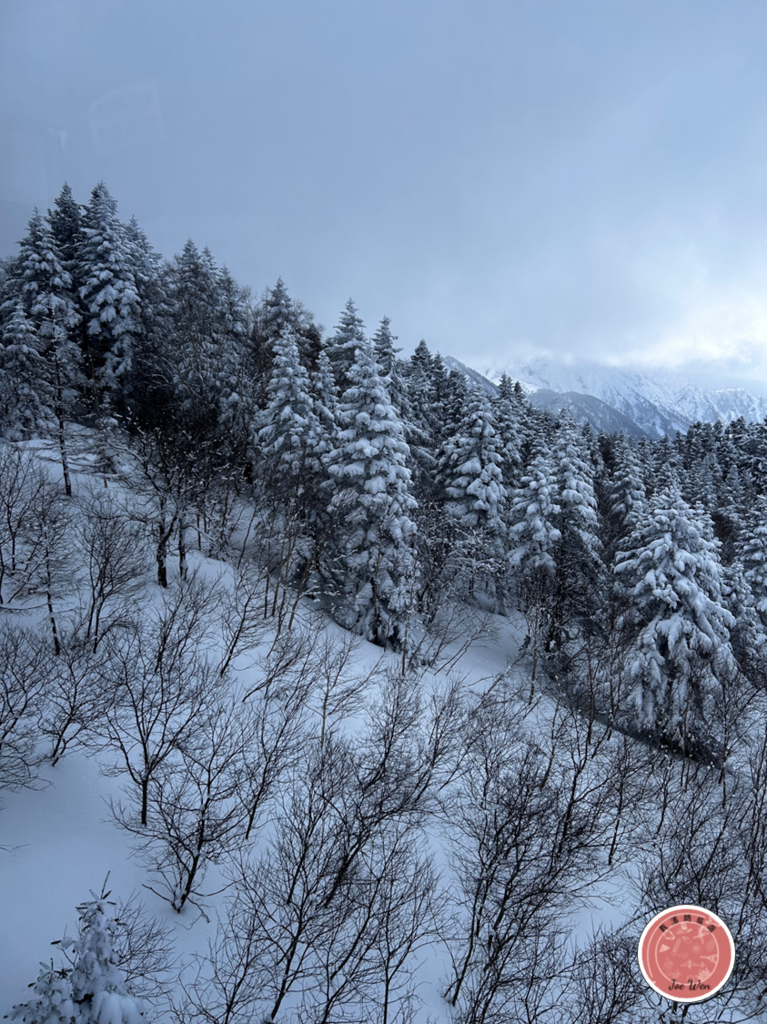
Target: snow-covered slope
<point x="657" y="402"/>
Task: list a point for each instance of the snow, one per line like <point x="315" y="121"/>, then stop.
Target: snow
<point x="657" y="400"/>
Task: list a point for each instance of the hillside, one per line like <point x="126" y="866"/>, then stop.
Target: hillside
<point x="398" y="698"/>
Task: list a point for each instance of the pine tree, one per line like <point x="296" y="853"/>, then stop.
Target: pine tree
<point x="349" y="336"/>
<point x="625" y="495"/>
<point x="194" y="355"/>
<point x="289" y="434"/>
<point x="753" y="555"/>
<point x="534" y="540"/>
<point x="26" y="403"/>
<point x="109" y="295"/>
<point x="579" y="562"/>
<point x="673" y="577"/>
<point x="93" y="989"/>
<point x="385" y="354"/>
<point x="424" y="424"/>
<point x="146" y="267"/>
<point x="534" y="515"/>
<point x="236" y="391"/>
<point x="421" y="360"/>
<point x="469" y="471"/>
<point x="98" y="986"/>
<point x="505" y="413"/>
<point x="146" y="383"/>
<point x="49" y="367"/>
<point x="451" y="410"/>
<point x="66" y="224"/>
<point x="54" y="1003"/>
<point x="747" y="636"/>
<point x="326" y="405"/>
<point x="373" y="501"/>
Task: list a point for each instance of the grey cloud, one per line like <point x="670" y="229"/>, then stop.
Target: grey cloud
<point x="488" y="174"/>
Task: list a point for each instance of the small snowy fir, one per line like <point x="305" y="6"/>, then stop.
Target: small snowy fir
<point x="92" y="990"/>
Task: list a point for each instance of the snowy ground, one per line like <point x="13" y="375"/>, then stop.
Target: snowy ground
<point x="58" y="843"/>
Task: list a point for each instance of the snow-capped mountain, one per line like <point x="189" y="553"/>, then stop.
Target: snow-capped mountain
<point x="652" y="402"/>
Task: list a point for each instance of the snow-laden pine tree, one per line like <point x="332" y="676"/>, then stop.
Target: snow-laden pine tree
<point x="453" y="407"/>
<point x="289" y="431"/>
<point x="65" y="220"/>
<point x="326" y="405"/>
<point x="470" y="474"/>
<point x="385" y="354"/>
<point x="672" y="575"/>
<point x="579" y="562"/>
<point x="372" y="505"/>
<point x="236" y="390"/>
<point x="25" y="398"/>
<point x="194" y="355"/>
<point x="146" y="383"/>
<point x="146" y="265"/>
<point x="45" y="313"/>
<point x="625" y="495"/>
<point x="276" y="312"/>
<point x="39" y="278"/>
<point x="108" y="292"/>
<point x="349" y="336"/>
<point x="748" y="637"/>
<point x="93" y="989"/>
<point x="424" y="425"/>
<point x="753" y="555"/>
<point x="533" y="515"/>
<point x="506" y="416"/>
<point x="534" y="538"/>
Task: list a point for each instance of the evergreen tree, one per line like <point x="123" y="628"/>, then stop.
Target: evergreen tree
<point x="534" y="515"/>
<point x="349" y="336"/>
<point x="65" y="220"/>
<point x="385" y="354"/>
<point x="39" y="337"/>
<point x="753" y="555"/>
<point x="505" y="413"/>
<point x="194" y="357"/>
<point x="747" y="636"/>
<point x="469" y="471"/>
<point x="151" y="346"/>
<point x="290" y="432"/>
<point x="326" y="405"/>
<point x="236" y="391"/>
<point x="373" y="502"/>
<point x="26" y="403"/>
<point x="625" y="495"/>
<point x="579" y="523"/>
<point x="425" y="424"/>
<point x="453" y="406"/>
<point x="534" y="539"/>
<point x="93" y="989"/>
<point x="673" y="577"/>
<point x="109" y="295"/>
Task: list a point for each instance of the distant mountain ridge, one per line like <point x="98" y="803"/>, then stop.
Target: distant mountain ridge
<point x="639" y="403"/>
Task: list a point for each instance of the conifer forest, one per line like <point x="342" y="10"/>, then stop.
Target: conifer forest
<point x="248" y="568"/>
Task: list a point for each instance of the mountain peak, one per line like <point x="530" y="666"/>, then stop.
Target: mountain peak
<point x="635" y="401"/>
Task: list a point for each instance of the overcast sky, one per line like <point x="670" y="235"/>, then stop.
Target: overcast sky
<point x="500" y="177"/>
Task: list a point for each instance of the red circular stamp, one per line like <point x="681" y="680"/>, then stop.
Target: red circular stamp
<point x="686" y="953"/>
